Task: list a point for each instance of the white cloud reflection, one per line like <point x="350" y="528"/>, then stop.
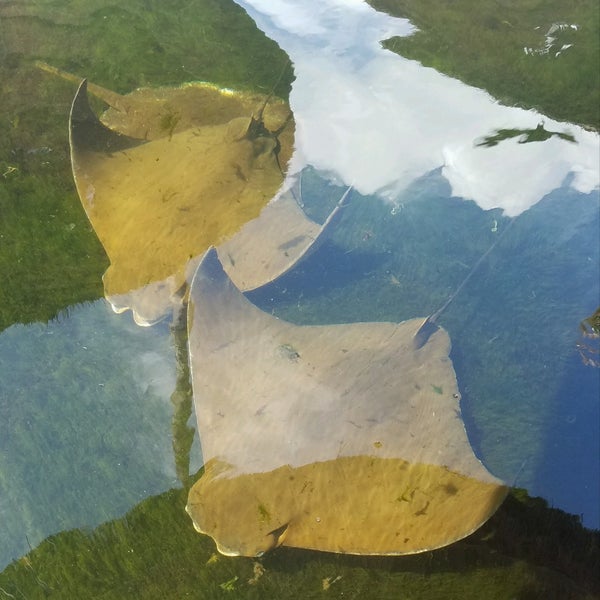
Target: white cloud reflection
<point x="379" y="121"/>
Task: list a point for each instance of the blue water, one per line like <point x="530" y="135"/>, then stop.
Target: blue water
<point x="569" y="473"/>
<point x="86" y="422"/>
<point x="529" y="403"/>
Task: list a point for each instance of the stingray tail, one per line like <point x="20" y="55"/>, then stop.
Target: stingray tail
<point x="111" y="98"/>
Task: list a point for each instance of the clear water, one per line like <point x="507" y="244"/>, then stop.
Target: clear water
<point x="87" y="424"/>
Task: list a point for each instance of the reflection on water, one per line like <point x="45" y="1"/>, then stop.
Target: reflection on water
<point x="379" y="121"/>
<point x="91" y="390"/>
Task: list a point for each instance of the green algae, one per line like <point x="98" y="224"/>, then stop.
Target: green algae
<point x="483" y="44"/>
<point x="182" y="400"/>
<point x="591" y="324"/>
<point x="526" y="550"/>
<point x="49" y="257"/>
<point x="526" y="136"/>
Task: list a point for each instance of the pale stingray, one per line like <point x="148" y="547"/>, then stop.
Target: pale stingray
<point x="344" y="438"/>
<point x="157" y="205"/>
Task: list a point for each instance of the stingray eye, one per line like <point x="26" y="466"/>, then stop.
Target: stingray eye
<point x="256" y="128"/>
<point x="237" y="129"/>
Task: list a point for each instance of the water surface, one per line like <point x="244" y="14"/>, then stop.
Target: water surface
<point x="88" y="421"/>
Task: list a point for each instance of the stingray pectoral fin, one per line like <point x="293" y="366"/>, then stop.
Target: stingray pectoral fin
<point x="275" y="242"/>
<point x="347" y="432"/>
<point x="88" y="134"/>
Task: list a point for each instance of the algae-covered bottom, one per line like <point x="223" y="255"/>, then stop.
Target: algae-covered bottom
<point x="526" y="550"/>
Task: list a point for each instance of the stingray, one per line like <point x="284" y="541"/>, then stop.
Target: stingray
<point x="159" y="202"/>
<point x="150" y="113"/>
<point x="343" y="438"/>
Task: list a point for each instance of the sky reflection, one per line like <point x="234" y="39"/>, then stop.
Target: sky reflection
<point x="378" y="121"/>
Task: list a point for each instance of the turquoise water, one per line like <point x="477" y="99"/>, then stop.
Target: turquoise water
<point x="65" y="378"/>
<point x="92" y="415"/>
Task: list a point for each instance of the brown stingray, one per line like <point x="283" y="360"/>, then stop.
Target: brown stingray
<point x="344" y="438"/>
<point x="152" y="113"/>
<point x="158" y="205"/>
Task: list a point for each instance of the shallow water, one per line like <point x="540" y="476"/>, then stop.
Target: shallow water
<point x="88" y="427"/>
